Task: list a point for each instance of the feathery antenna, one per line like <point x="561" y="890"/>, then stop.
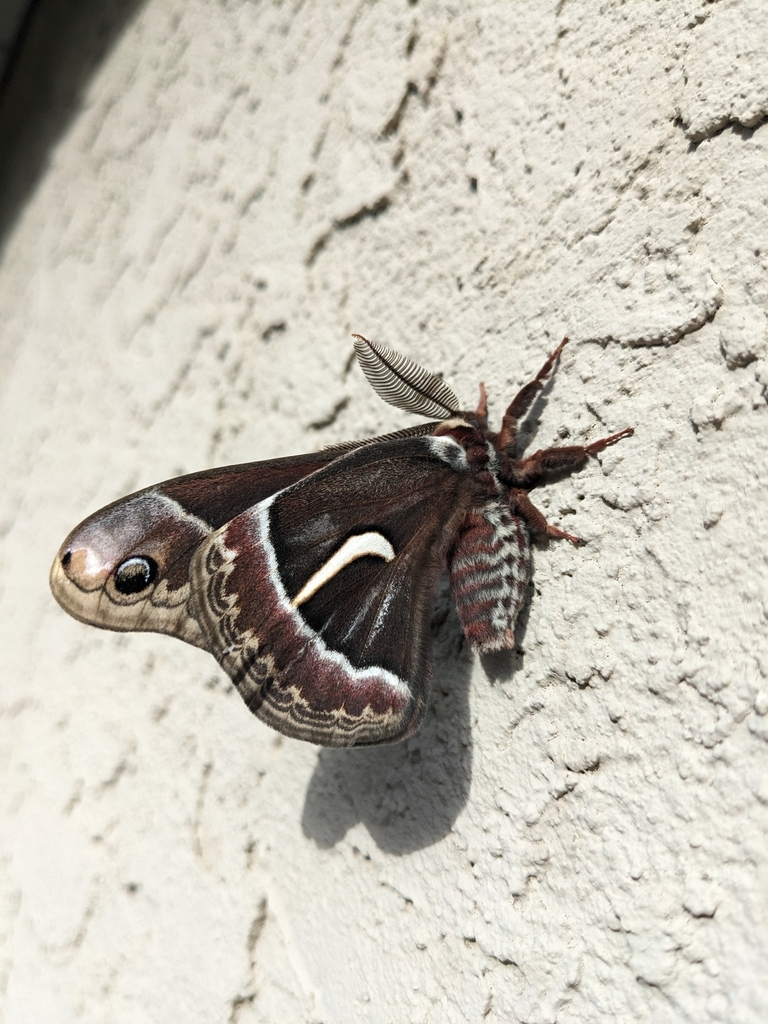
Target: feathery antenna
<point x="403" y="383"/>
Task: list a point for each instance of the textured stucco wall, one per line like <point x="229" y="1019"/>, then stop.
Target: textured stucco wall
<point x="578" y="833"/>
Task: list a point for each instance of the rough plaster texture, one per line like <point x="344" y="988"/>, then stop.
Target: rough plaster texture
<point x="578" y="833"/>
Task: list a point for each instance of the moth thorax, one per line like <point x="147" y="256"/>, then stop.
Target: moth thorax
<point x="490" y="567"/>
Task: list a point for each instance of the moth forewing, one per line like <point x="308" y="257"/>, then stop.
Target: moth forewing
<point x="317" y="601"/>
<point x="126" y="567"/>
<point x="312" y="579"/>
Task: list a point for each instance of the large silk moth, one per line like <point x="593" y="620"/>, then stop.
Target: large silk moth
<point x="311" y="579"/>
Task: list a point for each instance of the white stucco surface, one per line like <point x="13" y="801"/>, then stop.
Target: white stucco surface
<point x="578" y="833"/>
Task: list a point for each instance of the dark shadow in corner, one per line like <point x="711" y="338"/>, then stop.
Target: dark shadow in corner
<point x="407" y="795"/>
<point x="60" y="45"/>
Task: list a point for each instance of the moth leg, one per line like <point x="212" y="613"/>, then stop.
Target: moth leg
<point x="481" y="413"/>
<point x="534" y="518"/>
<point x="521" y="403"/>
<point x="532" y="471"/>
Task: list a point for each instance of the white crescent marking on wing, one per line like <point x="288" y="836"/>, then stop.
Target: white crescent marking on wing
<point x="355" y="673"/>
<point x="354" y="547"/>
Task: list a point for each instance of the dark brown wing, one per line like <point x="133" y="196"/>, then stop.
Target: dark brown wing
<point x="317" y="601"/>
<point x="126" y="567"/>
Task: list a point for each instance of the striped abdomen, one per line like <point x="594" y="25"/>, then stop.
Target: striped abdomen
<point x="490" y="568"/>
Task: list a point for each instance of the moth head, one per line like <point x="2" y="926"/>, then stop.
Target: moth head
<point x="126" y="567"/>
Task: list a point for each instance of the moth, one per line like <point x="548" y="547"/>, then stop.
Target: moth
<point x="311" y="579"/>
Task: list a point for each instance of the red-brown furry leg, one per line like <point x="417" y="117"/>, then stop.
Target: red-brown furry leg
<point x="531" y="471"/>
<point x="521" y="403"/>
<point x="522" y="505"/>
<point x="481" y="413"/>
<point x="598" y="446"/>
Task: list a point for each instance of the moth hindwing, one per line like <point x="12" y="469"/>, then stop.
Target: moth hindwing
<point x="311" y="579"/>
